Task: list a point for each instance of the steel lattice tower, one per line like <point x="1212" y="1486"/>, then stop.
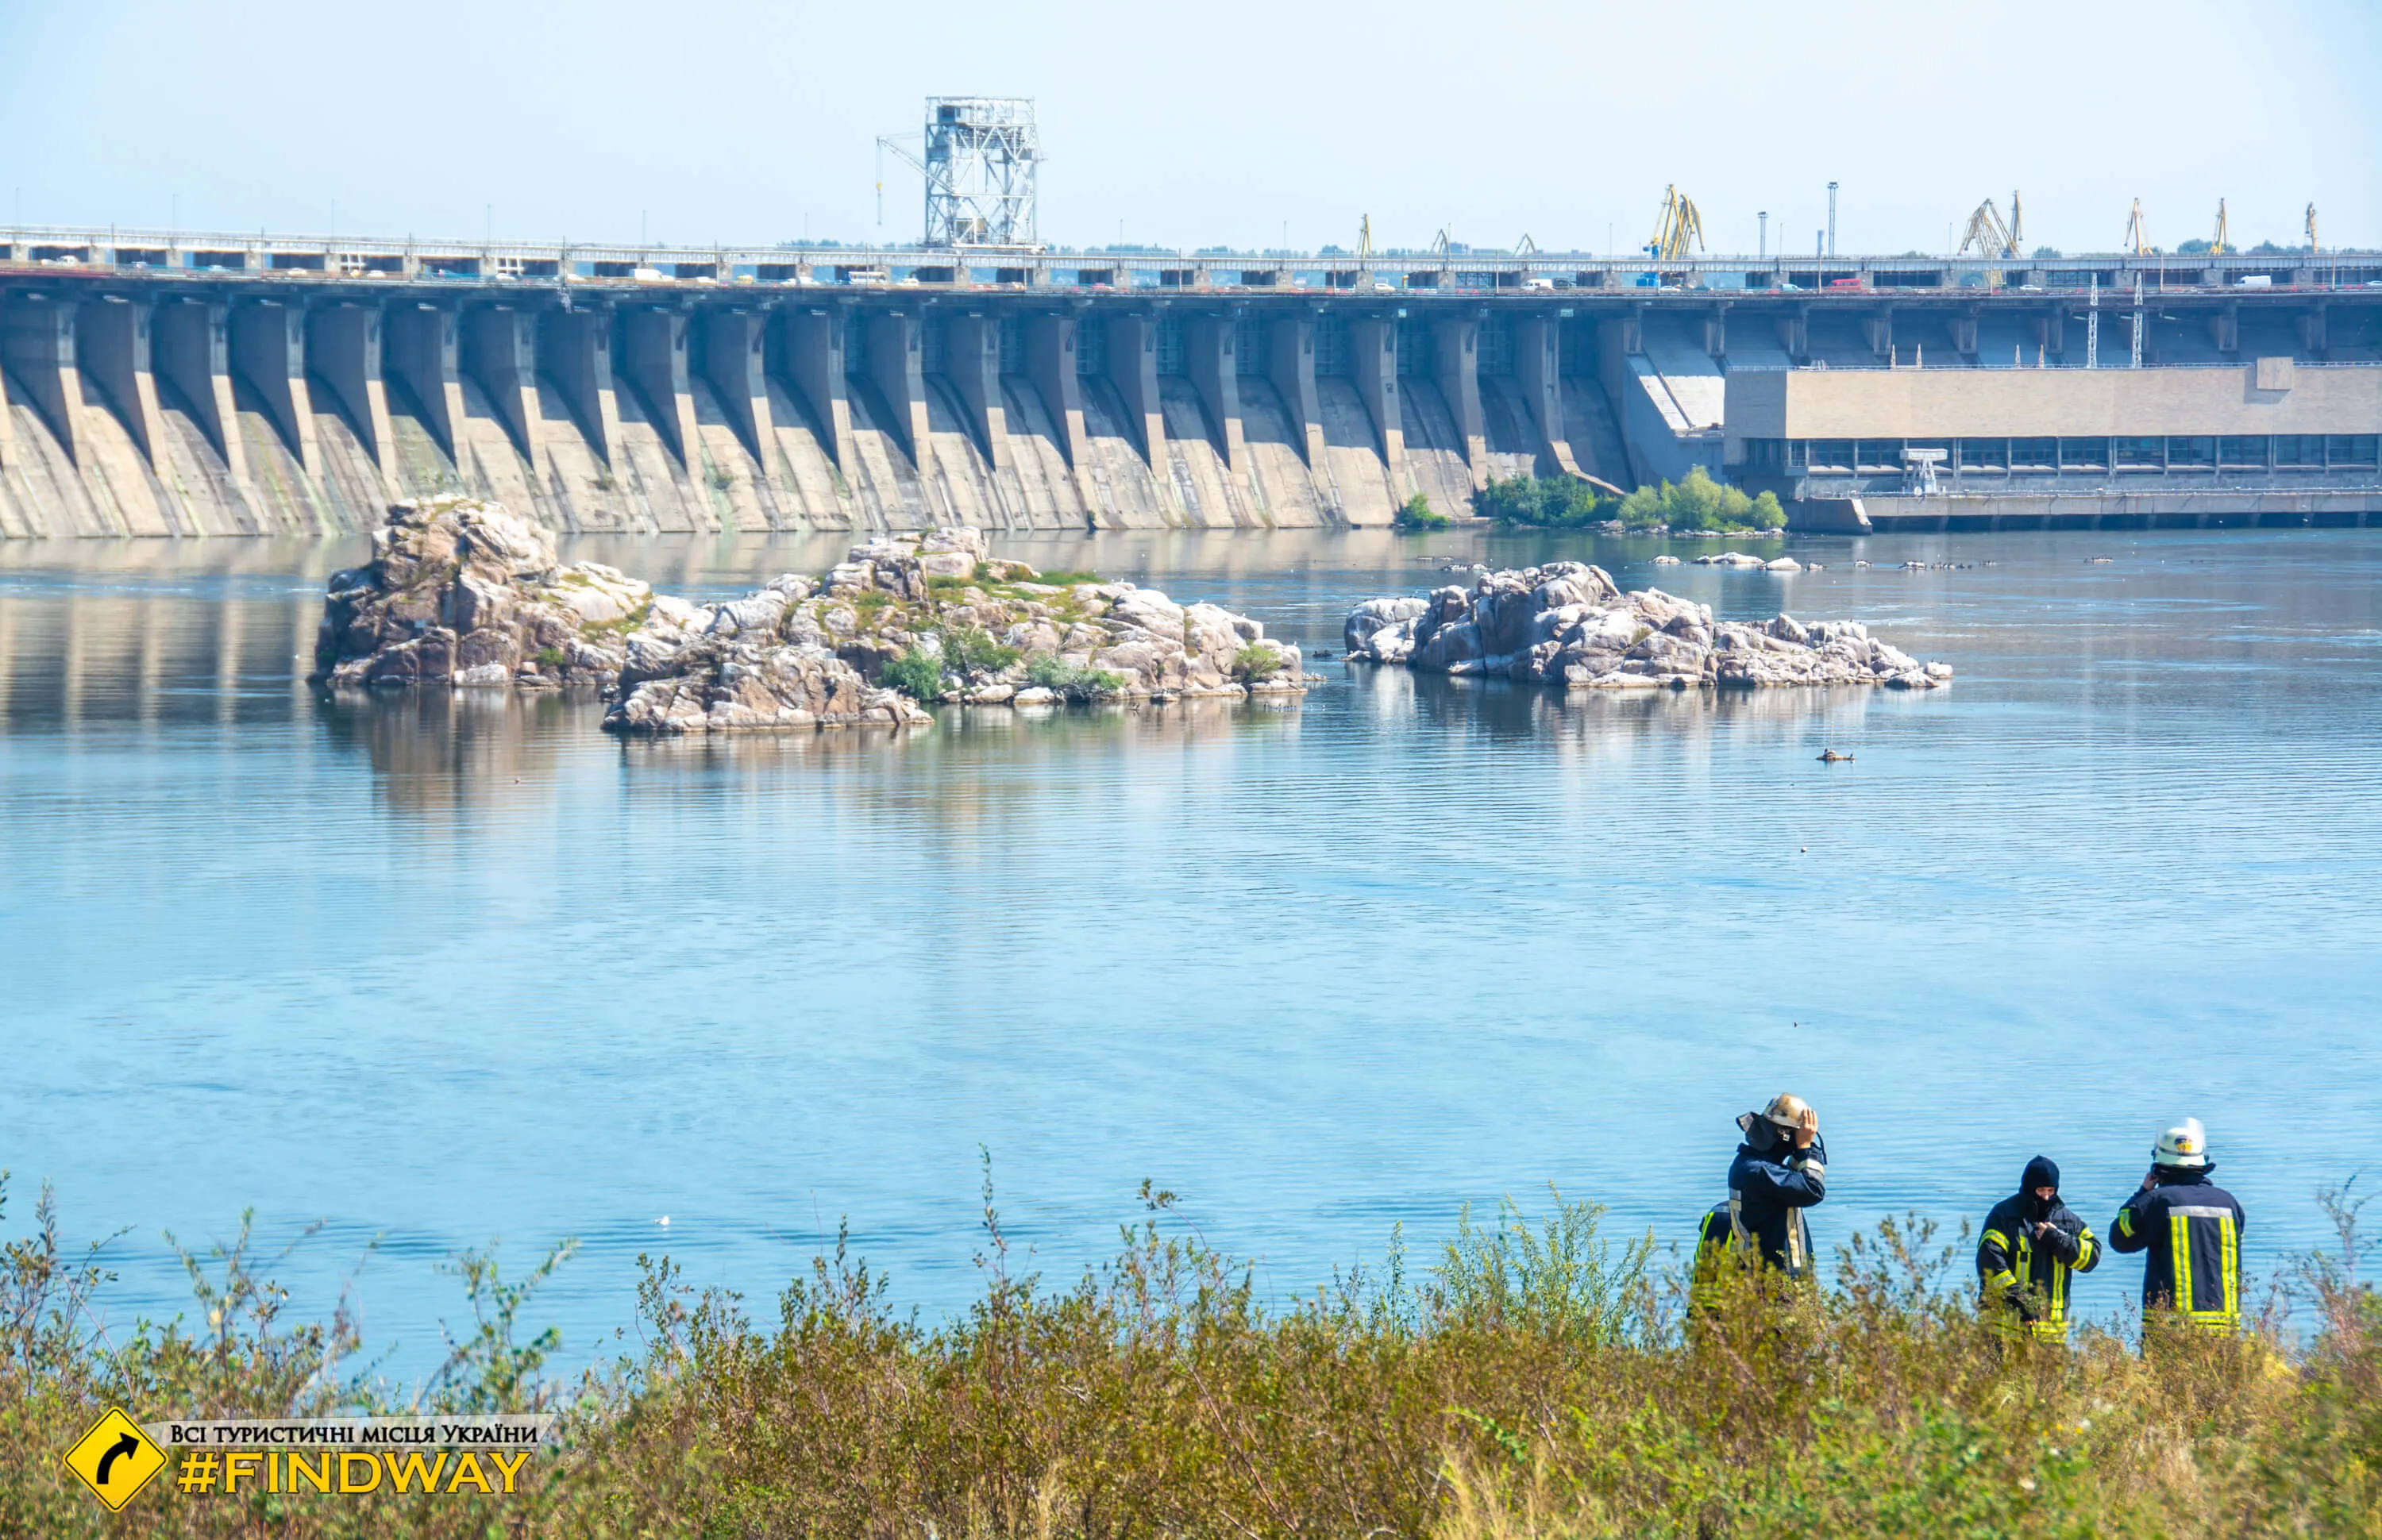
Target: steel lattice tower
<point x="982" y="152"/>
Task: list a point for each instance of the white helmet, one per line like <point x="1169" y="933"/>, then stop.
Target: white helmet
<point x="2185" y="1145"/>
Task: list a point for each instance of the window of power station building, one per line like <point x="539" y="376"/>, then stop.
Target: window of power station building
<point x="2034" y="454"/>
<point x="1878" y="454"/>
<point x="2192" y="453"/>
<point x="2354" y="450"/>
<point x="2083" y="454"/>
<point x="2137" y="452"/>
<point x="1765" y="456"/>
<point x="2240" y="453"/>
<point x="1832" y="454"/>
<point x="1798" y="454"/>
<point x="1984" y="454"/>
<point x="2297" y="452"/>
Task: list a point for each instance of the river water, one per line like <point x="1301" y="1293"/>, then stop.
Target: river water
<point x="435" y="972"/>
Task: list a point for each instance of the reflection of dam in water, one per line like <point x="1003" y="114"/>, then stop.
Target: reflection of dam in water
<point x="176" y="385"/>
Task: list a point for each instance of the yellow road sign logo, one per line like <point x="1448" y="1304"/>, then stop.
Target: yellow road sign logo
<point x="115" y="1459"/>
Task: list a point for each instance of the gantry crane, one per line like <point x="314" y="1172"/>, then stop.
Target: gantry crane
<point x="1989" y="235"/>
<point x="1681" y="226"/>
<point x="2313" y="246"/>
<point x="2221" y="242"/>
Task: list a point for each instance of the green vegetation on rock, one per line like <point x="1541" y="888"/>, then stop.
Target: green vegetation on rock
<point x="1256" y="663"/>
<point x="916" y="673"/>
<point x="1049" y="671"/>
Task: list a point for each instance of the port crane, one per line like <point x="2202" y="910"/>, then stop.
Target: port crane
<point x="1989" y="235"/>
<point x="2221" y="242"/>
<point x="1680" y="226"/>
<point x="2313" y="246"/>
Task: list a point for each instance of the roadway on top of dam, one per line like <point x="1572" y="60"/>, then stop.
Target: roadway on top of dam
<point x="219" y="262"/>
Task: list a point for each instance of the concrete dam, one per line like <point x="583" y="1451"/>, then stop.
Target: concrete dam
<point x="172" y="385"/>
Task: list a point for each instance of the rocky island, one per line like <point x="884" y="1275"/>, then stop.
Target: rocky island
<point x="459" y="591"/>
<point x="1570" y="623"/>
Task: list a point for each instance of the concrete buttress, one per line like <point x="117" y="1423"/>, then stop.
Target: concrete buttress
<point x="1537" y="364"/>
<point x="735" y="360"/>
<point x="810" y="360"/>
<point x="1373" y="368"/>
<point x="653" y="343"/>
<point x="575" y="351"/>
<point x="1208" y="357"/>
<point x="499" y="352"/>
<point x="895" y="368"/>
<point x="420" y="343"/>
<point x="191" y="347"/>
<point x="1291" y="367"/>
<point x="344" y="343"/>
<point x="1051" y="362"/>
<point x="7" y="425"/>
<point x="268" y="350"/>
<point x="37" y="345"/>
<point x="1456" y="366"/>
<point x="112" y="344"/>
<point x="972" y="364"/>
<point x="1133" y="369"/>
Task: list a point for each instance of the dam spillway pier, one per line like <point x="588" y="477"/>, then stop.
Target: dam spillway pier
<point x="155" y="383"/>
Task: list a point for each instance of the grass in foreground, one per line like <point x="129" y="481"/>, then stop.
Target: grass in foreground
<point x="1536" y="1381"/>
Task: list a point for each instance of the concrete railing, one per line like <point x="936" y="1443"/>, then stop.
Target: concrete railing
<point x="300" y="258"/>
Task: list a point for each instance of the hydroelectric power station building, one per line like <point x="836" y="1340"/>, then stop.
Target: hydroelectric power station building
<point x="173" y="385"/>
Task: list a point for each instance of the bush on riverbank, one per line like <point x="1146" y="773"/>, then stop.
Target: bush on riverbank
<point x="1700" y="503"/>
<point x="1536" y="1381"/>
<point x="1539" y="502"/>
<point x="1415" y="514"/>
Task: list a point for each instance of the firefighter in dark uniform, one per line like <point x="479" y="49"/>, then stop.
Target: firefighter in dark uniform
<point x="2191" y="1228"/>
<point x="2032" y="1241"/>
<point x="1780" y="1170"/>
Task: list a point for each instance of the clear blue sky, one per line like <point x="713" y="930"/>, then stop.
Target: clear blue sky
<point x="738" y="120"/>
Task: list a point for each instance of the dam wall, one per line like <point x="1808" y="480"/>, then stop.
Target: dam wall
<point x="159" y="385"/>
<point x="129" y="413"/>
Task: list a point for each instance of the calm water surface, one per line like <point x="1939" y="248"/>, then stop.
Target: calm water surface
<point x="440" y="970"/>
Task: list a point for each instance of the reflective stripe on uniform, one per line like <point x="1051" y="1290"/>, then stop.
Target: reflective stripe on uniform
<point x="1998" y="1238"/>
<point x="2224" y="1313"/>
<point x="2126" y="1223"/>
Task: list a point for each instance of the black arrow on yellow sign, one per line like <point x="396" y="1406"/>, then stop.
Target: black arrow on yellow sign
<point x="125" y="1444"/>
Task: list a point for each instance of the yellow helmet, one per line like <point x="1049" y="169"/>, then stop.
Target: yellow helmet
<point x="1785" y="1112"/>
